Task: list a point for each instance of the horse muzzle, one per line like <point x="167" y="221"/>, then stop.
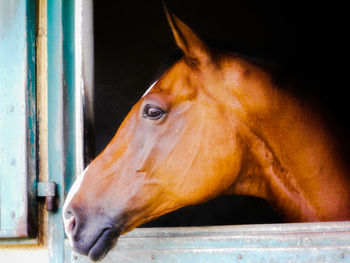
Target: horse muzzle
<point x="92" y="237"/>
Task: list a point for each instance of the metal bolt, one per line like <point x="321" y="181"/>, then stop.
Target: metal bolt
<point x="75" y="257"/>
<point x="48" y="190"/>
<point x="341" y="255"/>
<point x="153" y="257"/>
<point x="240" y="256"/>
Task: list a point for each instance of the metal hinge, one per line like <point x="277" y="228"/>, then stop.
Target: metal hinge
<point x="47" y="190"/>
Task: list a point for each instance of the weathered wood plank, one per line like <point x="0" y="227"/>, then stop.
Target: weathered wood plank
<point x="309" y="242"/>
<point x="17" y="117"/>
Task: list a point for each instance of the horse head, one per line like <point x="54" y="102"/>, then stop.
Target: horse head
<point x="173" y="142"/>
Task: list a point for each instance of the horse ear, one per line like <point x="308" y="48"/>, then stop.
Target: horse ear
<point x="195" y="50"/>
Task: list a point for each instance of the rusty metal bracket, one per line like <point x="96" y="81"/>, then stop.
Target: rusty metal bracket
<point x="47" y="190"/>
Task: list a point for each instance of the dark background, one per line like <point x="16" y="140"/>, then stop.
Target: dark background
<point x="133" y="40"/>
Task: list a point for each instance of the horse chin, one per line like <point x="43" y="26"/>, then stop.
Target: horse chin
<point x="103" y="244"/>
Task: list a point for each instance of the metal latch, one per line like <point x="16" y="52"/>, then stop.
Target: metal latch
<point x="47" y="190"/>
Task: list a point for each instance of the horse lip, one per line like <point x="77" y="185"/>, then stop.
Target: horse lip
<point x="103" y="243"/>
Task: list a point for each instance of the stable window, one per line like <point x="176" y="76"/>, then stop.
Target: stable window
<point x="125" y="37"/>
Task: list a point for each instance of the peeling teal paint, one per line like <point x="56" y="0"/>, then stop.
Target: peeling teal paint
<point x="61" y="112"/>
<point x="17" y="120"/>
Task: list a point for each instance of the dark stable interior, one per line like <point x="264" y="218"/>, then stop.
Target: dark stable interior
<point x="133" y="41"/>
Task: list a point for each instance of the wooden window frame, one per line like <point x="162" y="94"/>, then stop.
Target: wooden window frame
<point x="67" y="78"/>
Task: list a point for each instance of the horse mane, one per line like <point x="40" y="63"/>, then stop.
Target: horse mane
<point x="299" y="78"/>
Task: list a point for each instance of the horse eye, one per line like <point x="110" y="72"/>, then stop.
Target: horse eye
<point x="152" y="112"/>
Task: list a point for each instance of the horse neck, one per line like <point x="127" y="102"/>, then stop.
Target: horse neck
<point x="289" y="157"/>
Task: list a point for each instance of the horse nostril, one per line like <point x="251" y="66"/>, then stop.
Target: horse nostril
<point x="70" y="225"/>
<point x="69" y="222"/>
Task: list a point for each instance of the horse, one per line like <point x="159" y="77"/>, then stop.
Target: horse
<point x="214" y="123"/>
